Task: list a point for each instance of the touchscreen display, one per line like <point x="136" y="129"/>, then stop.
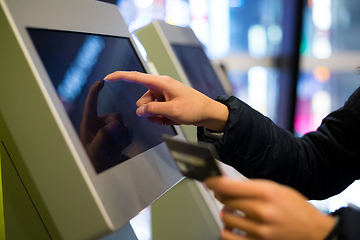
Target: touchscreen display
<point x="102" y="113"/>
<point x="199" y="70"/>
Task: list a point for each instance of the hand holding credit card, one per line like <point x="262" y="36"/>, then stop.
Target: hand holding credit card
<point x="194" y="160"/>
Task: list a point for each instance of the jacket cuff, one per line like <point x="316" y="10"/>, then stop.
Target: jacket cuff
<point x="206" y="135"/>
<point x="347" y="227"/>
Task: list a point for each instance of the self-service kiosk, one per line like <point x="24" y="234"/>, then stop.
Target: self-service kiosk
<point x="76" y="161"/>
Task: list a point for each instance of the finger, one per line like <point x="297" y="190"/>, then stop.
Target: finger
<point x="247" y="225"/>
<point x="233" y="210"/>
<point x="255" y="209"/>
<point x="147" y="80"/>
<point x="235" y="188"/>
<point x="230" y="235"/>
<point x="90" y="109"/>
<point x="154" y="109"/>
<point x="153" y="83"/>
<point x="146" y="98"/>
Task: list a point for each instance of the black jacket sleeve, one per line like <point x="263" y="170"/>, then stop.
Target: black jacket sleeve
<point x="347" y="226"/>
<point x="319" y="164"/>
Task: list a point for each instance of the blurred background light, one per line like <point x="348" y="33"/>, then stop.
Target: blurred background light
<point x="322" y="74"/>
<point x="344" y="17"/>
<point x="349" y="195"/>
<point x="274" y="33"/>
<point x="140" y="22"/>
<point x="201" y="29"/>
<point x="143" y="3"/>
<point x="219" y="20"/>
<point x="158" y="10"/>
<point x="321" y="47"/>
<point x="257" y="88"/>
<point x="237" y="3"/>
<point x="322" y="14"/>
<point x="199" y="8"/>
<point x="320" y="107"/>
<point x="177" y="12"/>
<point x="257" y="41"/>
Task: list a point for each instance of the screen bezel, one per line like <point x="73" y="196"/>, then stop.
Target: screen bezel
<point x="179" y="35"/>
<point x="126" y="189"/>
<point x="126" y="41"/>
<point x="182" y="36"/>
<point x="202" y="84"/>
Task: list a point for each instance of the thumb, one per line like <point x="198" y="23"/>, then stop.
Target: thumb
<point x="153" y="109"/>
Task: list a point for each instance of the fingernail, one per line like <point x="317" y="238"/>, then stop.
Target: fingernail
<point x="101" y="83"/>
<point x="140" y="111"/>
<point x="105" y="78"/>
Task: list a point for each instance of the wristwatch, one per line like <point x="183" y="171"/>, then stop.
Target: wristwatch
<point x="213" y="135"/>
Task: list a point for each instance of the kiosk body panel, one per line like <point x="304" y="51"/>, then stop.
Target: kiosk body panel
<point x="73" y="199"/>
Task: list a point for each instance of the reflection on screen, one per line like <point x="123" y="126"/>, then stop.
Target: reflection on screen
<point x="102" y="113"/>
<point x="199" y="70"/>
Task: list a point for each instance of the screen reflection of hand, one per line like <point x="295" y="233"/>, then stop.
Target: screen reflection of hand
<point x="104" y="137"/>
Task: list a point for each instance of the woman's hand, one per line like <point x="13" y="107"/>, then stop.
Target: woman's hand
<point x="263" y="209"/>
<point x="170" y="102"/>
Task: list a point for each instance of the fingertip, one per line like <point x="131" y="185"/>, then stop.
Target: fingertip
<point x="140" y="111"/>
<point x="110" y="77"/>
<point x="101" y="83"/>
<point x="106" y="78"/>
<point x="210" y="182"/>
<point x="207" y="181"/>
